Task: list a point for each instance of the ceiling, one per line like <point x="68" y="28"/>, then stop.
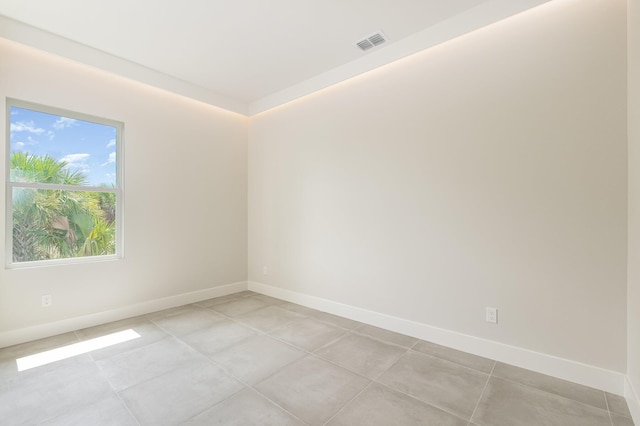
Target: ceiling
<point x="246" y="56"/>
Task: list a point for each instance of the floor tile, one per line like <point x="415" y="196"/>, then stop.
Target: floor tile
<point x="268" y="299"/>
<point x="223" y="299"/>
<point x="379" y="405"/>
<point x="109" y="411"/>
<point x="617" y="404"/>
<point x="267" y="318"/>
<point x="308" y="333"/>
<point x="438" y="382"/>
<point x="463" y="358"/>
<point x="619" y="420"/>
<point x="386" y="335"/>
<point x="138" y="365"/>
<point x="241" y="306"/>
<point x="219" y="336"/>
<point x="362" y="354"/>
<point x="71" y="386"/>
<point x="180" y="394"/>
<point x="188" y="322"/>
<point x="312" y="389"/>
<point x="511" y="404"/>
<point x="556" y="386"/>
<point x="169" y="312"/>
<point x="256" y="358"/>
<point x="74" y="365"/>
<point x="244" y="408"/>
<point x="299" y="309"/>
<point x="336" y="320"/>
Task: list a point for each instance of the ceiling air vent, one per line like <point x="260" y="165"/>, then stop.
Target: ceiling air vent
<point x="372" y="41"/>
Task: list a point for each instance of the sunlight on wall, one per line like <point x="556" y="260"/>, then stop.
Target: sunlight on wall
<point x="64" y="352"/>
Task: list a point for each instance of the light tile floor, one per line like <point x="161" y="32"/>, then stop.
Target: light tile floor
<point x="249" y="359"/>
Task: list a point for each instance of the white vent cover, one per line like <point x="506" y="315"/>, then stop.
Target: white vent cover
<point x="372" y="41"/>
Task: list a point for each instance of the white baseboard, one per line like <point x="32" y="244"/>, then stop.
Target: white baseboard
<point x="577" y="372"/>
<point x="633" y="400"/>
<point x="27" y="334"/>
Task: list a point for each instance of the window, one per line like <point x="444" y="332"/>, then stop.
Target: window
<point x="63" y="186"/>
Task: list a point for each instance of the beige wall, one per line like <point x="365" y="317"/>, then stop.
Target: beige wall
<point x="487" y="171"/>
<point x="185" y="193"/>
<point x="633" y="350"/>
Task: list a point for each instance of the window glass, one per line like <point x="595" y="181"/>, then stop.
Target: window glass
<point x="64" y="195"/>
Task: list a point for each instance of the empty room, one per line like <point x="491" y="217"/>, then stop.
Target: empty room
<point x="418" y="212"/>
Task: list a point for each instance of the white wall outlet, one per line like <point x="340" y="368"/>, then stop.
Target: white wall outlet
<point x="265" y="270"/>
<point x="491" y="315"/>
<point x="47" y="300"/>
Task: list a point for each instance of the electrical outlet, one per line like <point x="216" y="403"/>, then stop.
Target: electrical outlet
<point x="265" y="270"/>
<point x="491" y="315"/>
<point x="47" y="300"/>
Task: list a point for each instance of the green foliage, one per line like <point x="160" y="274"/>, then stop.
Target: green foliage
<point x="57" y="224"/>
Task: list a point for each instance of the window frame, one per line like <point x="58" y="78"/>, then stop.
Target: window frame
<point x="10" y="186"/>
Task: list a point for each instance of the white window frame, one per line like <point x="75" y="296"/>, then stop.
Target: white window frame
<point x="118" y="190"/>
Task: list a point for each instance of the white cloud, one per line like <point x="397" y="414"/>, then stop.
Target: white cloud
<point x="63" y="123"/>
<point x="111" y="143"/>
<point x="72" y="158"/>
<point x="26" y="126"/>
<point x="111" y="159"/>
<point x="77" y="161"/>
<point x="21" y="145"/>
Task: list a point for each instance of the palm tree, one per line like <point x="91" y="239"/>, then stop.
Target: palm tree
<point x="54" y="223"/>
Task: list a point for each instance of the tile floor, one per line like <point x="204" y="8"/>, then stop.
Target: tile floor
<point x="248" y="359"/>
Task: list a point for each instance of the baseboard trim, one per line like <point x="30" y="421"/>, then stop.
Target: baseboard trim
<point x="633" y="400"/>
<point x="27" y="334"/>
<point x="588" y="375"/>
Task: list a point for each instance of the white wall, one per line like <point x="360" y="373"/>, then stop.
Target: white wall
<point x="185" y="194"/>
<point x="633" y="322"/>
<point x="487" y="171"/>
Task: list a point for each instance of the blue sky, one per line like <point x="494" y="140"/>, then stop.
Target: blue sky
<point x="87" y="147"/>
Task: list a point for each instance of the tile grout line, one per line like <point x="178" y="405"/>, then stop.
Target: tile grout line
<point x="169" y="334"/>
<point x="126" y="407"/>
<point x="277" y="405"/>
<point x="375" y="379"/>
<point x="606" y="402"/>
<point x="212" y="361"/>
<point x="348" y="403"/>
<point x="539" y="390"/>
<point x="482" y="393"/>
<point x="228" y="397"/>
<point x="414" y="397"/>
<point x="116" y="393"/>
<point x="266" y="334"/>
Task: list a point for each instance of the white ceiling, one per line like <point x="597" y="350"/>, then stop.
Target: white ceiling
<point x="243" y="55"/>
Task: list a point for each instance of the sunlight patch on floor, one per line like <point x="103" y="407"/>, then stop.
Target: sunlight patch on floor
<point x="64" y="352"/>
